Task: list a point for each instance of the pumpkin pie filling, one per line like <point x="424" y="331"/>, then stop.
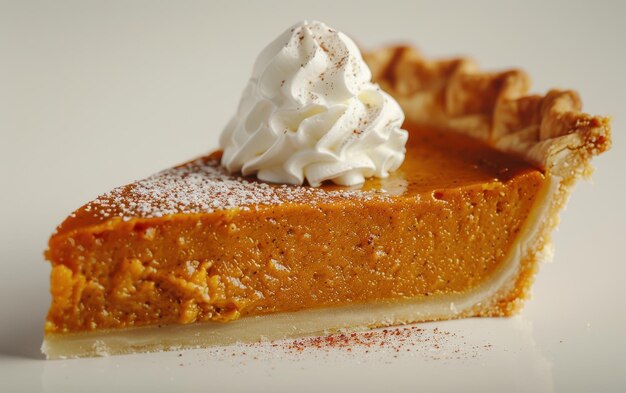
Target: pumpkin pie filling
<point x="437" y="226"/>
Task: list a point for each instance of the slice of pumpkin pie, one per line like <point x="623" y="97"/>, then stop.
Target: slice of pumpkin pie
<point x="347" y="194"/>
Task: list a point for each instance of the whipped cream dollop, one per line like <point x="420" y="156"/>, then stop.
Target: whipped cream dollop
<point x="310" y="112"/>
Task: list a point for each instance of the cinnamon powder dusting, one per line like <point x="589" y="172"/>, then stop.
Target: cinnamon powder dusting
<point x="390" y="343"/>
<point x="439" y="343"/>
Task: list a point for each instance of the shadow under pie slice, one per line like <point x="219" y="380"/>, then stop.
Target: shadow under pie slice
<point x="194" y="256"/>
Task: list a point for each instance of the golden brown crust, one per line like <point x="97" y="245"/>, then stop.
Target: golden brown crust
<point x="550" y="130"/>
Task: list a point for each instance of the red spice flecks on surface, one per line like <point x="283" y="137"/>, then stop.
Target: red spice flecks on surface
<point x="435" y="343"/>
<point x="346" y="341"/>
<point x="412" y="341"/>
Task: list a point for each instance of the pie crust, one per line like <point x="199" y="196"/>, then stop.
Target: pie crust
<point x="548" y="130"/>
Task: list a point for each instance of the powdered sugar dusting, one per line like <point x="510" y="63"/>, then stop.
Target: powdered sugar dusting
<point x="203" y="186"/>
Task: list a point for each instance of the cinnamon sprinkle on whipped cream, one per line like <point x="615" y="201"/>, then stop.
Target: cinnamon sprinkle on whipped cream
<point x="311" y="113"/>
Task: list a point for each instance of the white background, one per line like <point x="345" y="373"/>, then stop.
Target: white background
<point x="97" y="94"/>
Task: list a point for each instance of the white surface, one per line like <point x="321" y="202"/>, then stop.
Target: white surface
<point x="96" y="94"/>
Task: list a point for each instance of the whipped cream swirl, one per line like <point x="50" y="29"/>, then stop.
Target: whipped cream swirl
<point x="310" y="112"/>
